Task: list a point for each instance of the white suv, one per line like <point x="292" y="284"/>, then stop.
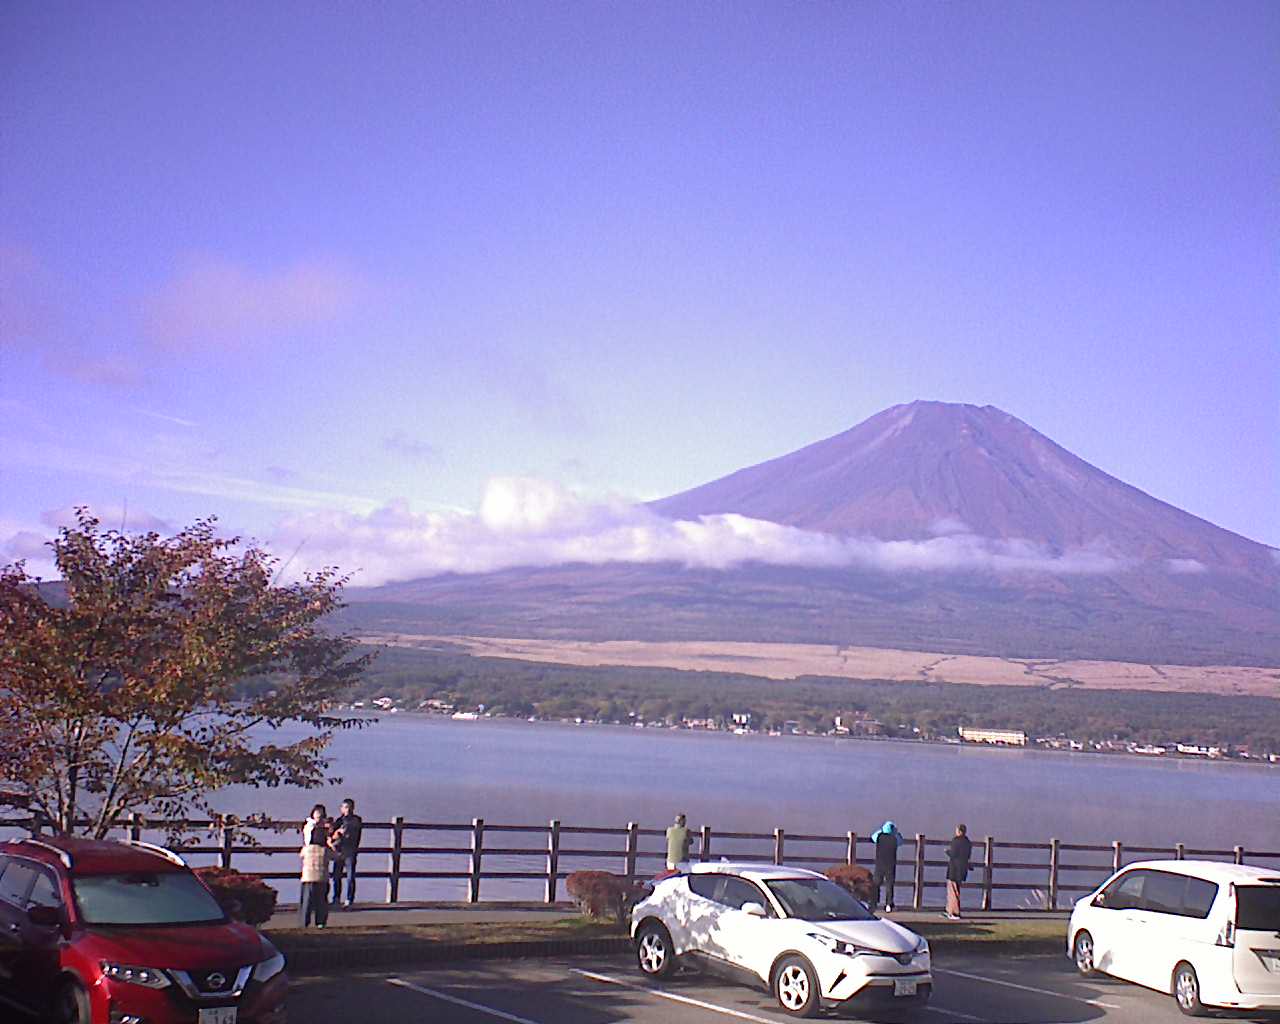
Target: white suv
<point x="793" y="932"/>
<point x="1204" y="931"/>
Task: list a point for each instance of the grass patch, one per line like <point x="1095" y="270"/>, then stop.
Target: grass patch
<point x="469" y="933"/>
<point x="1032" y="931"/>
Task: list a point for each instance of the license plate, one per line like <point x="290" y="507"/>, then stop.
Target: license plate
<point x="904" y="986"/>
<point x="217" y="1015"/>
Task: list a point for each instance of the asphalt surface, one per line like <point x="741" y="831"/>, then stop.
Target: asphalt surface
<point x="968" y="988"/>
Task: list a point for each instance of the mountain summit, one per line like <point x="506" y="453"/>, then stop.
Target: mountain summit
<point x="1160" y="586"/>
<point x="929" y="468"/>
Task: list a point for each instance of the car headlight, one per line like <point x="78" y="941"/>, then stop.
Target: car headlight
<point x="147" y="977"/>
<point x="845" y="948"/>
<point x="269" y="968"/>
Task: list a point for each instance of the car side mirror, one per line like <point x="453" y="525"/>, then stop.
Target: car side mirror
<point x="45" y="917"/>
<point x="1100" y="900"/>
<point x="754" y="909"/>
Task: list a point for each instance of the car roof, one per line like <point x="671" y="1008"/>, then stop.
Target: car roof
<point x="1212" y="870"/>
<point x="751" y="869"/>
<point x="95" y="856"/>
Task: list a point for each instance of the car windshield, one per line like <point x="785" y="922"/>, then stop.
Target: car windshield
<point x="1258" y="908"/>
<point x="140" y="897"/>
<point x="817" y="899"/>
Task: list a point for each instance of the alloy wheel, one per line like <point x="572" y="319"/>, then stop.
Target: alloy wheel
<point x="793" y="987"/>
<point x="1084" y="953"/>
<point x="1187" y="989"/>
<point x="653" y="952"/>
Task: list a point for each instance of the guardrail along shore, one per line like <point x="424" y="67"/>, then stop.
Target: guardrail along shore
<point x="453" y="860"/>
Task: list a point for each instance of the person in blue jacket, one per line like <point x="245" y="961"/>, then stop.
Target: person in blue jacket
<point x="886" y="839"/>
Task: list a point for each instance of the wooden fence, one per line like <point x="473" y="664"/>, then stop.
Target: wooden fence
<point x="1044" y="873"/>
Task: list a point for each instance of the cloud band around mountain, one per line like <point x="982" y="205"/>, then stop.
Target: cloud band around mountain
<point x="529" y="523"/>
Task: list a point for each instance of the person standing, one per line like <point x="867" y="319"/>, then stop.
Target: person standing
<point x="886" y="839"/>
<point x="315" y="854"/>
<point x="959" y="851"/>
<point x="677" y="843"/>
<point x="346" y="847"/>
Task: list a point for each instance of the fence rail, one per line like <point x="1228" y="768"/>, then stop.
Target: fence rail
<point x="1042" y="872"/>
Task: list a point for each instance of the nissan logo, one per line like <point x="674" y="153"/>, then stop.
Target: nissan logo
<point x="215" y="980"/>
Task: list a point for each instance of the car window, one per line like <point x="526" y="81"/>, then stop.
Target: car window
<point x="817" y="899"/>
<point x="704" y="885"/>
<point x="15" y="882"/>
<point x="1199" y="897"/>
<point x="44" y="893"/>
<point x="143" y="897"/>
<point x="738" y="891"/>
<point x="1163" y="892"/>
<point x="1258" y="908"/>
<point x="1125" y="893"/>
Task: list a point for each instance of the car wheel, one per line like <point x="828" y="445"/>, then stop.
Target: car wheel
<point x="795" y="986"/>
<point x="1082" y="953"/>
<point x="71" y="1004"/>
<point x="1186" y="990"/>
<point x="655" y="955"/>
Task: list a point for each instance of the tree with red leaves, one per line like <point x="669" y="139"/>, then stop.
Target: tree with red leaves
<point x="158" y="672"/>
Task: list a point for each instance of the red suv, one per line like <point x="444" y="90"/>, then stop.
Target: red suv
<point x="124" y="933"/>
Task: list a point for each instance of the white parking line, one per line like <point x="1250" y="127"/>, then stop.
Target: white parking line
<point x="953" y="1013"/>
<point x="500" y="1014"/>
<point x="1028" y="988"/>
<point x="663" y="994"/>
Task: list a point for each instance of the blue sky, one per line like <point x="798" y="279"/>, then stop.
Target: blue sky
<point x="327" y="269"/>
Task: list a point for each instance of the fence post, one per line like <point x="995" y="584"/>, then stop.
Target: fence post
<point x="393" y="858"/>
<point x="477" y="851"/>
<point x="705" y="852"/>
<point x="988" y="868"/>
<point x="135" y="826"/>
<point x="633" y="840"/>
<point x="917" y="896"/>
<point x="1239" y="854"/>
<point x="553" y="858"/>
<point x="1051" y="902"/>
<point x="1117" y="856"/>
<point x="1180" y="852"/>
<point x="224" y="846"/>
<point x="779" y="839"/>
<point x="852" y="856"/>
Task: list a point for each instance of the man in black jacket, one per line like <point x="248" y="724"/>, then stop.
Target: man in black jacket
<point x="886" y="839"/>
<point x="346" y="847"/>
<point x="959" y="850"/>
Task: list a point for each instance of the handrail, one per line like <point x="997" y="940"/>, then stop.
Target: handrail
<point x="471" y="857"/>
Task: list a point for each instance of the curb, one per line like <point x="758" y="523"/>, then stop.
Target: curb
<point x="345" y="956"/>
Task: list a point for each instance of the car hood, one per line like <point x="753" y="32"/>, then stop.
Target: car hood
<point x="184" y="947"/>
<point x="879" y="934"/>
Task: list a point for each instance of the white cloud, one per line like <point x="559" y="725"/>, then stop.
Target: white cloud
<point x="525" y="522"/>
<point x="1185" y="566"/>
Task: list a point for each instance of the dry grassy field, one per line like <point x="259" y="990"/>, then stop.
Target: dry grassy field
<point x="788" y="661"/>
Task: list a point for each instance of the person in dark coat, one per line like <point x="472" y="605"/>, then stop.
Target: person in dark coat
<point x="346" y="849"/>
<point x="959" y="850"/>
<point x="886" y="839"/>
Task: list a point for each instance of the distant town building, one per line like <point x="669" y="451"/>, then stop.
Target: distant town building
<point x="1000" y="737"/>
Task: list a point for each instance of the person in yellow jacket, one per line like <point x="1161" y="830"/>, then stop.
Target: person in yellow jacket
<point x="313" y="903"/>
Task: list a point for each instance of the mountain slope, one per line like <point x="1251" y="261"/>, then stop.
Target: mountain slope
<point x="913" y="471"/>
<point x="1177" y="590"/>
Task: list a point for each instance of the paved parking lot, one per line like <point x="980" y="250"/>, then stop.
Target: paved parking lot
<point x="1004" y="990"/>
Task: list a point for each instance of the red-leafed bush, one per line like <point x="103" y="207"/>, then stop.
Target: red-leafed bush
<point x="855" y="879"/>
<point x="600" y="894"/>
<point x="241" y="896"/>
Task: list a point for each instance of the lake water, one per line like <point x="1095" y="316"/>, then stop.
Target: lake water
<point x="520" y="773"/>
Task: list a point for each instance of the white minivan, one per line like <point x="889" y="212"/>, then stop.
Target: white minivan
<point x="1206" y="932"/>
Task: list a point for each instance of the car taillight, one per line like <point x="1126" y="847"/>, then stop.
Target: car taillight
<point x="1226" y="937"/>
